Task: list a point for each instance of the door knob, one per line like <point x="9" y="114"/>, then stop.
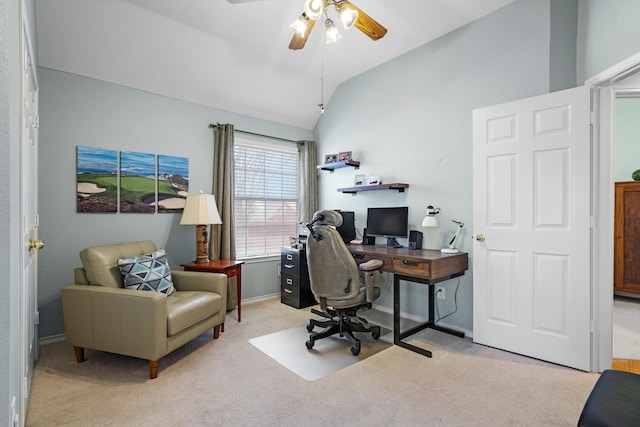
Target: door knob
<point x="480" y="237"/>
<point x="36" y="244"/>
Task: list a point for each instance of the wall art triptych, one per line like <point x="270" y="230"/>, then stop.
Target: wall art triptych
<point x="144" y="182"/>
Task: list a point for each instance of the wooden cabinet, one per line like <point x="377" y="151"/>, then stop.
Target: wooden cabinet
<point x="626" y="247"/>
<point x="295" y="289"/>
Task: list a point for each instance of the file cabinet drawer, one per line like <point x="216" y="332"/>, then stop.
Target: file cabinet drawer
<point x="290" y="262"/>
<point x="290" y="287"/>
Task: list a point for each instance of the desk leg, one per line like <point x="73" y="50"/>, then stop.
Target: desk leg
<point x="397" y="334"/>
<point x="239" y="290"/>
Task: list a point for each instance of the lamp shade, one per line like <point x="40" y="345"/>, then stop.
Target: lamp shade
<point x="200" y="209"/>
<point x="430" y="221"/>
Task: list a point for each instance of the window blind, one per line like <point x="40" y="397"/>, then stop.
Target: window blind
<point x="266" y="197"/>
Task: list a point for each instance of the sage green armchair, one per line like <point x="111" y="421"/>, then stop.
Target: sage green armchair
<point x="101" y="314"/>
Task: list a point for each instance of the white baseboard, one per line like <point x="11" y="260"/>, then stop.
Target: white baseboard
<point x="51" y="339"/>
<point x="260" y="298"/>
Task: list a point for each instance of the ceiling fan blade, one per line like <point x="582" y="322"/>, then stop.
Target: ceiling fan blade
<point x="298" y="41"/>
<point x="367" y="24"/>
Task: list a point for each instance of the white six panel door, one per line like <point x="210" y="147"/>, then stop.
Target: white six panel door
<point x="531" y="216"/>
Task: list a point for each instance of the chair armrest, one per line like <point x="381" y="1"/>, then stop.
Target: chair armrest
<point x="204" y="282"/>
<point x="368" y="270"/>
<point x="123" y="321"/>
<point x="199" y="281"/>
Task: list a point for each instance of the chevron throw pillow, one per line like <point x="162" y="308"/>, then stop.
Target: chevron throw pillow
<point x="148" y="272"/>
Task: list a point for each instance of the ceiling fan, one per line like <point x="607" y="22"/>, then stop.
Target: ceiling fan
<point x="349" y="14"/>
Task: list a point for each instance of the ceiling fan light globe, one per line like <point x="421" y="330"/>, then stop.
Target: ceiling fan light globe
<point x="348" y="16"/>
<point x="314" y="8"/>
<point x="300" y="24"/>
<point x="331" y="31"/>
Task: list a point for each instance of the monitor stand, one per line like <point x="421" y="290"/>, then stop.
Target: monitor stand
<point x="393" y="243"/>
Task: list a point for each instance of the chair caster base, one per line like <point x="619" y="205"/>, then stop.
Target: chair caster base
<point x="355" y="350"/>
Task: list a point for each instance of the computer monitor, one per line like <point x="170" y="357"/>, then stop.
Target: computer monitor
<point x="348" y="228"/>
<point x="389" y="223"/>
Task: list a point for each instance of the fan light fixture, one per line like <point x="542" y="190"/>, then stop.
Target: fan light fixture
<point x="300" y="24"/>
<point x="313" y="10"/>
<point x="332" y="33"/>
<point x="347" y="14"/>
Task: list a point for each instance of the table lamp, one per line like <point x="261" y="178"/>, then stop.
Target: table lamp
<point x="430" y="220"/>
<point x="201" y="210"/>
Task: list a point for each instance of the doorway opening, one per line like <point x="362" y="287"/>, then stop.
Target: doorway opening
<point x="618" y="82"/>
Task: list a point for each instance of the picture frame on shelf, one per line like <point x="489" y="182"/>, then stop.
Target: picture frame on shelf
<point x="345" y="155"/>
<point x="374" y="180"/>
<point x="330" y="158"/>
<point x="359" y="179"/>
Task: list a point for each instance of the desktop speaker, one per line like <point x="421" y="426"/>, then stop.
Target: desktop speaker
<point x="367" y="240"/>
<point x="415" y="239"/>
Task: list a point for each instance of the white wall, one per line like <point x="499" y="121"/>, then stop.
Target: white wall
<point x="83" y="111"/>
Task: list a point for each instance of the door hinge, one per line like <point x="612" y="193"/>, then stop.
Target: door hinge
<point x="36" y="122"/>
<point x="37" y="318"/>
<point x="593" y="221"/>
<point x="25" y="387"/>
<point x="592" y="117"/>
<point x="593" y="326"/>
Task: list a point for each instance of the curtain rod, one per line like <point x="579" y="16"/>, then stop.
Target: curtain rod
<point x="211" y="125"/>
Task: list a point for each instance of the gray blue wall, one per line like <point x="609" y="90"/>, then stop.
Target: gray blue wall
<point x="627" y="144"/>
<point x="82" y="111"/>
<point x="410" y="120"/>
<point x="608" y="33"/>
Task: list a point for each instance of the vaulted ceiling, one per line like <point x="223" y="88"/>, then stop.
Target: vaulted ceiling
<point x="234" y="57"/>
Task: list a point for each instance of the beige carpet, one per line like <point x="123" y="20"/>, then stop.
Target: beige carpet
<point x="229" y="382"/>
<point x="327" y="356"/>
<point x="626" y="328"/>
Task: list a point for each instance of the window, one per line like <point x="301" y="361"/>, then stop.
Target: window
<point x="266" y="197"/>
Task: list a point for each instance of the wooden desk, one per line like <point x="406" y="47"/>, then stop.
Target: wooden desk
<point x="423" y="266"/>
<point x="229" y="267"/>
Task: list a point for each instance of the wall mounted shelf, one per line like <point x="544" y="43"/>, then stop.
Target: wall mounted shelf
<point x="395" y="186"/>
<point x="338" y="165"/>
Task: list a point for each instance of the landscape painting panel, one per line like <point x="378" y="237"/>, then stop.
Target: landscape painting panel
<point x="96" y="180"/>
<point x="137" y="182"/>
<point x="173" y="183"/>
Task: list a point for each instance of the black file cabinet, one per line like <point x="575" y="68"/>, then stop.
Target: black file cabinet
<point x="295" y="289"/>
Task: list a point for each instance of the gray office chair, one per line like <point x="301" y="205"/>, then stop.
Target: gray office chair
<point x="338" y="284"/>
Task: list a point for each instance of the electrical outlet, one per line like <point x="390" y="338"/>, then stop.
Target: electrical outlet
<point x="440" y="292"/>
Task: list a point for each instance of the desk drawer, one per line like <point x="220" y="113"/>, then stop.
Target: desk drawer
<point x="387" y="264"/>
<point x="411" y="267"/>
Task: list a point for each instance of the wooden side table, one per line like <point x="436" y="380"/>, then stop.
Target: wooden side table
<point x="229" y="267"/>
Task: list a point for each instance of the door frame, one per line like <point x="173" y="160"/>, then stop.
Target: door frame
<point x="603" y="95"/>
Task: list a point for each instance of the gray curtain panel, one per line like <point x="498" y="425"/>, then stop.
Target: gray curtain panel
<point x="308" y="184"/>
<point x="222" y="243"/>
